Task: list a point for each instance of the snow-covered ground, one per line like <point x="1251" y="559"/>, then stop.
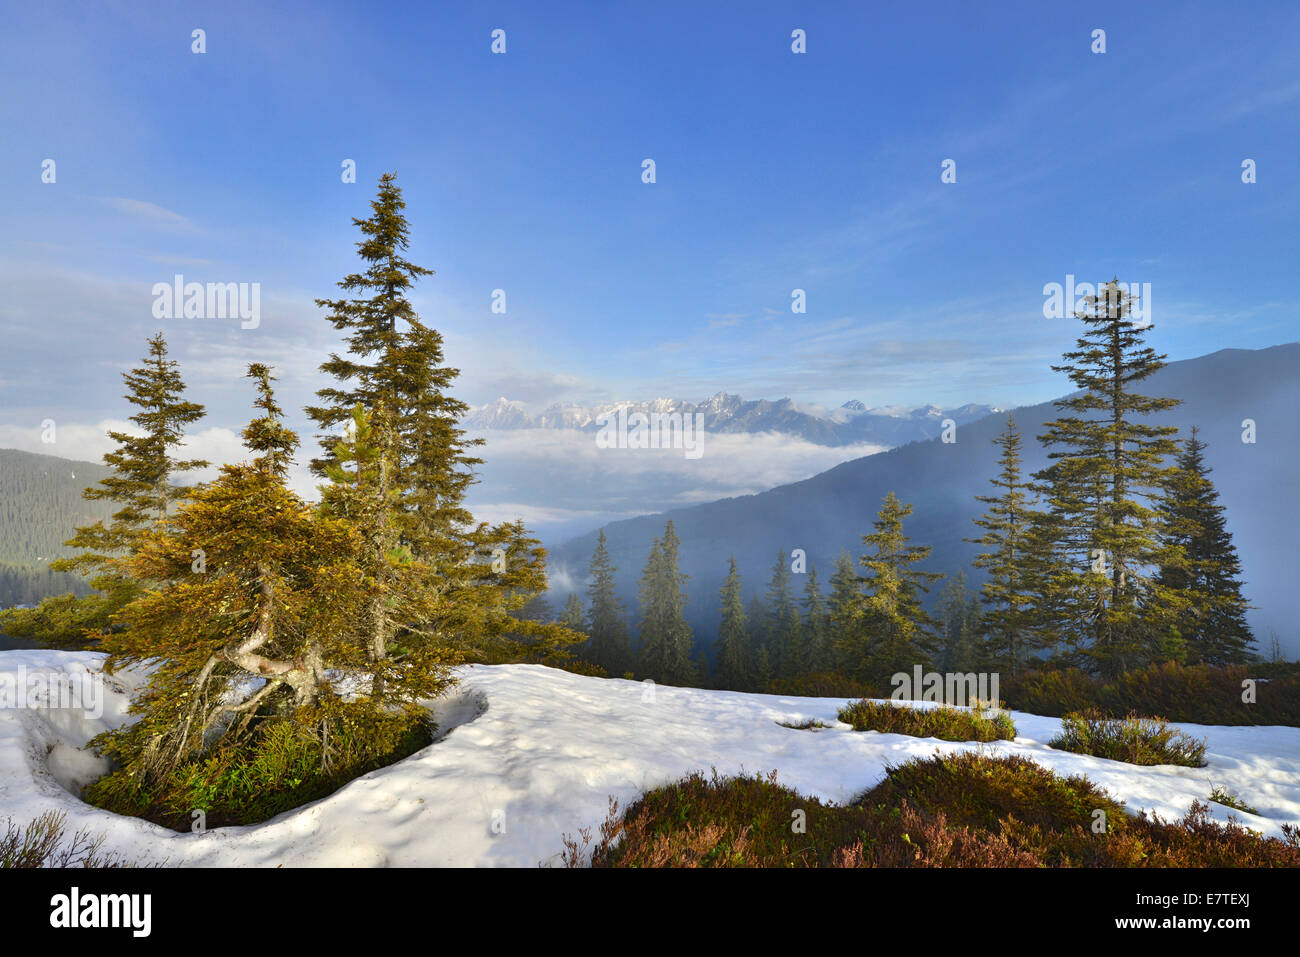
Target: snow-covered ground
<point x="531" y="753"/>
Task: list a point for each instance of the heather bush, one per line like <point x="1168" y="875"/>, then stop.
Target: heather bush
<point x="944" y="722"/>
<point x="1133" y="739"/>
<point x="960" y="810"/>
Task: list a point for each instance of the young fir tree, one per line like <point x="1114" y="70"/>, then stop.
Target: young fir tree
<point x="507" y="617"/>
<point x="574" y="616"/>
<point x="897" y="633"/>
<point x="479" y="576"/>
<point x="257" y="587"/>
<point x="843" y="611"/>
<point x="1108" y="464"/>
<point x="1211" y="620"/>
<point x="734" y="657"/>
<point x="959" y="615"/>
<point x="758" y="634"/>
<point x="1015" y="562"/>
<point x="666" y="638"/>
<point x="609" y="646"/>
<point x="143" y="467"/>
<point x="789" y="656"/>
<point x="816" y="624"/>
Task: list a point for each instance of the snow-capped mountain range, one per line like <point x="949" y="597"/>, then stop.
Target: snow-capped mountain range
<point x="852" y="423"/>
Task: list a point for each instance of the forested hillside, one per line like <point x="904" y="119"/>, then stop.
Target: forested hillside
<point x="1257" y="481"/>
<point x="40" y="505"/>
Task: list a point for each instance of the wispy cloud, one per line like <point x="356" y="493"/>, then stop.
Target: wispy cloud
<point x="151" y="213"/>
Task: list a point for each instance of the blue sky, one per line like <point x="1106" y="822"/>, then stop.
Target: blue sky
<point x="522" y="171"/>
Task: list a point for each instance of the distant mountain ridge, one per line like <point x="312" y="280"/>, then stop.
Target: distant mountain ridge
<point x="852" y="424"/>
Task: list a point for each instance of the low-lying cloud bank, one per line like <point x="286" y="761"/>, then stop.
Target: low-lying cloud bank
<point x="562" y="483"/>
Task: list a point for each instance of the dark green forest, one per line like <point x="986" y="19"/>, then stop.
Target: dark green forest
<point x="40" y="503"/>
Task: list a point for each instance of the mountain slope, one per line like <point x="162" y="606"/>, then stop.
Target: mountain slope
<point x="1259" y="484"/>
<point x="41" y="504"/>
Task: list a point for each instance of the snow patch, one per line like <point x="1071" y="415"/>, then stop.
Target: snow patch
<point x="527" y="753"/>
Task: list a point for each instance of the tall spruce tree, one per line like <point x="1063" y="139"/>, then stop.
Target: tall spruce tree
<point x="897" y="632"/>
<point x="1108" y="462"/>
<point x="395" y="370"/>
<point x="735" y="666"/>
<point x="143" y="467"/>
<point x="1211" y="620"/>
<point x="666" y="638"/>
<point x="478" y="576"/>
<point x="609" y="646"/>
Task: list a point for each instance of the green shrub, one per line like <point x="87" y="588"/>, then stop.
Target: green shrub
<point x="959" y="810"/>
<point x="1221" y="796"/>
<point x="287" y="763"/>
<point x="1133" y="739"/>
<point x="944" y="722"/>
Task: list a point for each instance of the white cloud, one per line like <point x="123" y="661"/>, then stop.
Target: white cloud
<point x="561" y="483"/>
<point x="151" y="212"/>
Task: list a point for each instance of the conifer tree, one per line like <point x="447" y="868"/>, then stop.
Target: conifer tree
<point x="396" y="362"/>
<point x="257" y="587"/>
<point x="816" y="624"/>
<point x="1108" y="464"/>
<point x="758" y="635"/>
<point x="610" y="646"/>
<point x="666" y="638"/>
<point x="789" y="656"/>
<point x="959" y="616"/>
<point x="1017" y="567"/>
<point x="734" y="657"/>
<point x="574" y="616"/>
<point x="478" y="576"/>
<point x="143" y="467"/>
<point x="844" y="613"/>
<point x="897" y="632"/>
<point x="503" y="615"/>
<point x="1211" y="618"/>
